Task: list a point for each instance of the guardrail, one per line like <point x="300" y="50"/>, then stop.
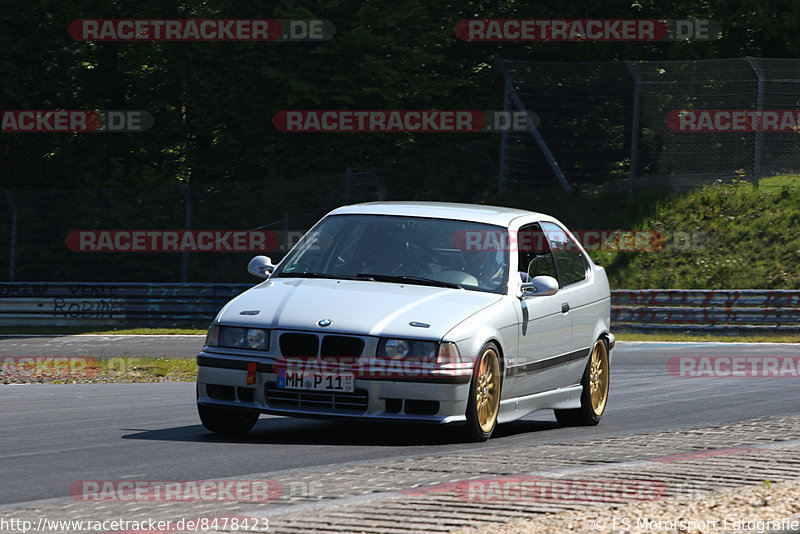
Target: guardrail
<point x="731" y="311"/>
<point x="113" y="304"/>
<point x="195" y="305"/>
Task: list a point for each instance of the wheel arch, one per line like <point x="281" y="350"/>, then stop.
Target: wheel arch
<point x="500" y="353"/>
<point x="475" y="349"/>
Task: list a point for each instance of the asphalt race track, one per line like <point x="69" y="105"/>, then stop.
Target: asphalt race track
<point x="53" y="435"/>
<point x="100" y="346"/>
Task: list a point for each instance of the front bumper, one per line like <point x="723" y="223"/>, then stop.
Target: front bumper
<point x="223" y="381"/>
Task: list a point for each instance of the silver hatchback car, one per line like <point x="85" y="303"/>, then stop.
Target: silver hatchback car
<point x="416" y="312"/>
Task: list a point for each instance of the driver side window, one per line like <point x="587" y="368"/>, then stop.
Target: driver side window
<point x="535" y="256"/>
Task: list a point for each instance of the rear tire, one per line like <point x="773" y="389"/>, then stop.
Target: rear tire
<point x="227" y="421"/>
<point x="484" y="395"/>
<point x="594" y="397"/>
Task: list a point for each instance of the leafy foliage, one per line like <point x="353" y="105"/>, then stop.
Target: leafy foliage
<point x="213" y="102"/>
<point x="719" y="237"/>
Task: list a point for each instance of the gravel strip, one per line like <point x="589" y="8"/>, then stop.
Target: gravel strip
<point x="769" y="508"/>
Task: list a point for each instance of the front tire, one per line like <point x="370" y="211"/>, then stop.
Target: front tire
<point x="594" y="397"/>
<point x="226" y="421"/>
<point x="484" y="395"/>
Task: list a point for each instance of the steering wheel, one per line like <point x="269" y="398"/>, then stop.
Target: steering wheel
<point x="414" y="263"/>
<point x="412" y="268"/>
<point x="418" y="251"/>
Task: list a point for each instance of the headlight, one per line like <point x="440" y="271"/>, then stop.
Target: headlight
<point x="236" y="337"/>
<point x="397" y="349"/>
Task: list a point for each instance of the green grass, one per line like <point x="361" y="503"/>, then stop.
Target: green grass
<point x="725" y="236"/>
<point x="92" y="370"/>
<point x="785" y="180"/>
<point x="708" y="338"/>
<point x="742" y="238"/>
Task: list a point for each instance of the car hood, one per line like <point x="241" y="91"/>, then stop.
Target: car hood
<point x="354" y="306"/>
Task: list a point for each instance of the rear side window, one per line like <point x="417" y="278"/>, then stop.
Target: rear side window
<point x="572" y="264"/>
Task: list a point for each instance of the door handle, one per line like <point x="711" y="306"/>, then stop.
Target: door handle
<point x="565" y="307"/>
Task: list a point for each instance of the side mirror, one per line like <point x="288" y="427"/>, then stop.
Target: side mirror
<point x="260" y="266"/>
<point x="540" y="286"/>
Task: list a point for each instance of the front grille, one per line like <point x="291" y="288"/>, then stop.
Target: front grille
<point x="299" y="345"/>
<point x="355" y="402"/>
<point x="342" y="347"/>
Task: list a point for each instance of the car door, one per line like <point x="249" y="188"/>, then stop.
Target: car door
<point x="545" y="329"/>
<point x="574" y="281"/>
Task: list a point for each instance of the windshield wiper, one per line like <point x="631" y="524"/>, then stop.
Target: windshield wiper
<point x="408" y="279"/>
<point x="316" y="275"/>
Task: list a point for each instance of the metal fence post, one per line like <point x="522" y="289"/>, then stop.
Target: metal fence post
<point x="759" y="134"/>
<point x="12" y="268"/>
<point x="537" y="136"/>
<point x="542" y="144"/>
<point x="185" y="254"/>
<point x="637" y="98"/>
<point x="286" y="243"/>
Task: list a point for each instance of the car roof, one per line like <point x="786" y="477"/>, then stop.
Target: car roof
<point x="497" y="215"/>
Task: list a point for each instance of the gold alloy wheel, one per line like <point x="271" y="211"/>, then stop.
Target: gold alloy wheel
<point x="598" y="377"/>
<point x="487" y="390"/>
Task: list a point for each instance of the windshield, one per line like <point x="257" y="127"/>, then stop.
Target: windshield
<point x="401" y="249"/>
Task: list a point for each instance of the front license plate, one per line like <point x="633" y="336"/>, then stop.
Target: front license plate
<point x="316" y="381"/>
